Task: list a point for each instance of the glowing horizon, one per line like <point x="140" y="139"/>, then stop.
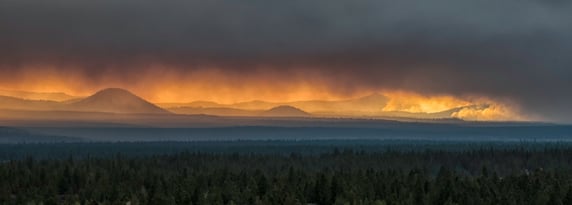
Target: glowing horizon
<point x="469" y="108"/>
<point x="160" y="84"/>
<point x="425" y="58"/>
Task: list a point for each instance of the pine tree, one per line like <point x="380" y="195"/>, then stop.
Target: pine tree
<point x="568" y="198"/>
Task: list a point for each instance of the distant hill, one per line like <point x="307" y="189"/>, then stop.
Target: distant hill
<point x="194" y="104"/>
<point x="368" y="104"/>
<point x="13" y="103"/>
<point x="285" y="111"/>
<point x="52" y="96"/>
<point x="115" y="100"/>
<point x="218" y="111"/>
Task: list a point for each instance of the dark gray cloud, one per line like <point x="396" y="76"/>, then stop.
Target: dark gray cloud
<point x="514" y="49"/>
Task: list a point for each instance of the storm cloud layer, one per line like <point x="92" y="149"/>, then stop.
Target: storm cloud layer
<point x="518" y="50"/>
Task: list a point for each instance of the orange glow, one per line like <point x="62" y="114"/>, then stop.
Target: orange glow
<point x="472" y="108"/>
<point x="163" y="85"/>
<point x="491" y="112"/>
<point x="416" y="103"/>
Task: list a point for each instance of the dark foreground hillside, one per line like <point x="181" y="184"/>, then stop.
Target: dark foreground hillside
<point x="473" y="176"/>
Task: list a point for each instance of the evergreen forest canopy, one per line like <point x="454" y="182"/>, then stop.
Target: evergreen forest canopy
<point x="248" y="173"/>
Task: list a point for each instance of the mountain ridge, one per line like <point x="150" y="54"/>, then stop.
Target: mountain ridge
<point x="43" y="96"/>
<point x="285" y="111"/>
<point x="116" y="100"/>
<point x="370" y="103"/>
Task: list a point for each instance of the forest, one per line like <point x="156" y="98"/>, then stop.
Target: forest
<point x="483" y="175"/>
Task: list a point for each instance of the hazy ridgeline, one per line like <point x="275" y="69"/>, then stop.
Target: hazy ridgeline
<point x="287" y="172"/>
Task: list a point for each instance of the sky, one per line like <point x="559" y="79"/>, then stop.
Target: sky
<point x="512" y="54"/>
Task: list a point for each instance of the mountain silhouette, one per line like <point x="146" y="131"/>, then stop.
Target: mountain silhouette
<point x="367" y="104"/>
<point x="217" y="111"/>
<point x="116" y="100"/>
<point x="40" y="96"/>
<point x="7" y="102"/>
<point x="285" y="111"/>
